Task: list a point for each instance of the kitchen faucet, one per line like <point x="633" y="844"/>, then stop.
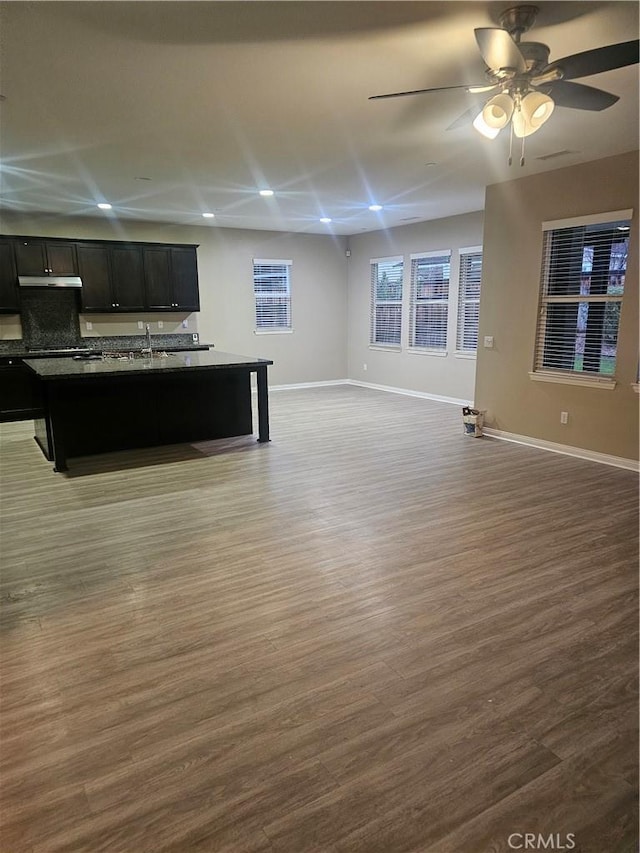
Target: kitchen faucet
<point x="148" y="347"/>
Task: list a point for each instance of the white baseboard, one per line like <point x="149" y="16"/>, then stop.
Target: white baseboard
<point x="565" y="449"/>
<point x="408" y="393"/>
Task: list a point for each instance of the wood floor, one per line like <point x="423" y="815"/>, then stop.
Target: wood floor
<point x="372" y="634"/>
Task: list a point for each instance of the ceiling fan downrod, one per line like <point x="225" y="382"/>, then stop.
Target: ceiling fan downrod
<point x="516" y="20"/>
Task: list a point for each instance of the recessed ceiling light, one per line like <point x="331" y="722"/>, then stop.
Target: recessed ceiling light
<point x="208" y="215"/>
<point x="104" y="206"/>
<point x="266" y="192"/>
<point x="325" y="219"/>
<point x="375" y="207"/>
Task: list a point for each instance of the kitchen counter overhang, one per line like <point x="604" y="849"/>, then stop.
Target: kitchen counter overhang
<point x="117" y="404"/>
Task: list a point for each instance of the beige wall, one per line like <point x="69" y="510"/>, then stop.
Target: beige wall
<point x="315" y="351"/>
<point x="603" y="421"/>
<point x="450" y="376"/>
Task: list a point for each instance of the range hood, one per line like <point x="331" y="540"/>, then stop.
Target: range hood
<point x="49" y="281"/>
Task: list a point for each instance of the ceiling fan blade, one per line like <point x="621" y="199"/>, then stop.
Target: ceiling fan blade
<point x="465" y="120"/>
<point x="580" y="97"/>
<point x="499" y="50"/>
<point x="596" y="61"/>
<point x="423" y="91"/>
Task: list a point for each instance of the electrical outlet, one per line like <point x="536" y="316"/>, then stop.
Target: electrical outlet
<point x="564" y="417"/>
<point x="488" y="341"/>
<point x="89" y="325"/>
<point x="364" y="366"/>
<point x="185" y="323"/>
<point x="194" y="337"/>
<point x="160" y="324"/>
<point x="140" y="325"/>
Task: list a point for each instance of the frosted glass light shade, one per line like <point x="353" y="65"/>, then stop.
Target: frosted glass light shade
<point x="535" y="108"/>
<point x="482" y="127"/>
<point x="498" y="110"/>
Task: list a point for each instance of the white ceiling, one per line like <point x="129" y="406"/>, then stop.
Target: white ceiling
<point x="170" y="109"/>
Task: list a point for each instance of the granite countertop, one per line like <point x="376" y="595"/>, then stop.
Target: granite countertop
<point x="57" y="353"/>
<point x="50" y="369"/>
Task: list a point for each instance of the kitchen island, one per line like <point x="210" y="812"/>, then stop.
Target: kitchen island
<point x="105" y="404"/>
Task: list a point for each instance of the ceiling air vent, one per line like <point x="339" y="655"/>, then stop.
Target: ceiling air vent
<point x="555" y="154"/>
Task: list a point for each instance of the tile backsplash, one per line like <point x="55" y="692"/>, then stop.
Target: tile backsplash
<point x="50" y="318"/>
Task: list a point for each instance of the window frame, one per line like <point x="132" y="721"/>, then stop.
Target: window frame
<point x="544" y="373"/>
<point x="266" y="297"/>
<point x="461" y="351"/>
<point x="415" y="302"/>
<point x="375" y="302"/>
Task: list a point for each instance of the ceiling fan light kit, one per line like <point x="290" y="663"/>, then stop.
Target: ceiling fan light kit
<point x="531" y="87"/>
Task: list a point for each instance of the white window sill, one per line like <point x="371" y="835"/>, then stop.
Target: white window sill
<point x="439" y="353"/>
<point x="596" y="382"/>
<point x="469" y="355"/>
<point x="382" y="348"/>
<point x="273" y="331"/>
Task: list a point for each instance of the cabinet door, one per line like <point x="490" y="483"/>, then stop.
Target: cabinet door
<point x="93" y="267"/>
<point x="31" y="257"/>
<point x="157" y="278"/>
<point x="61" y="258"/>
<point x="184" y="272"/>
<point x="20" y="392"/>
<point x="9" y="301"/>
<point x="127" y="278"/>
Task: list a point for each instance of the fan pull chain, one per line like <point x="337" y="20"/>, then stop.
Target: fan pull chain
<point x="510" y="143"/>
<point x="522" y="153"/>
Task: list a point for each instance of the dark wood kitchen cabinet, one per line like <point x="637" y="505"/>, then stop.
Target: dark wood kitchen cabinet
<point x="9" y="296"/>
<point x="20" y="392"/>
<point x="45" y="257"/>
<point x="117" y="276"/>
<point x="171" y="278"/>
<point x="112" y="278"/>
<point x="184" y="268"/>
<point x="93" y="269"/>
<point x="127" y="278"/>
<point x="157" y="278"/>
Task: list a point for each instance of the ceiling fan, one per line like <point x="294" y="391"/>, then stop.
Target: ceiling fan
<point x="527" y="86"/>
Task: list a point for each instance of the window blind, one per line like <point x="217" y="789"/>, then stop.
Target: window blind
<point x="386" y="301"/>
<point x="429" y="313"/>
<point x="581" y="287"/>
<point x="272" y="291"/>
<point x="469" y="300"/>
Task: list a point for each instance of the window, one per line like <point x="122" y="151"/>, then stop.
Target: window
<point x="582" y="284"/>
<point x="469" y="300"/>
<point x="386" y="301"/>
<point x="429" y="300"/>
<point x="272" y="290"/>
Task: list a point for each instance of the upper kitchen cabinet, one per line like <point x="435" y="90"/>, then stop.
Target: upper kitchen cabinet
<point x="9" y="301"/>
<point x="112" y="277"/>
<point x="127" y="278"/>
<point x="45" y="257"/>
<point x="184" y="268"/>
<point x="171" y="278"/>
<point x="157" y="278"/>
